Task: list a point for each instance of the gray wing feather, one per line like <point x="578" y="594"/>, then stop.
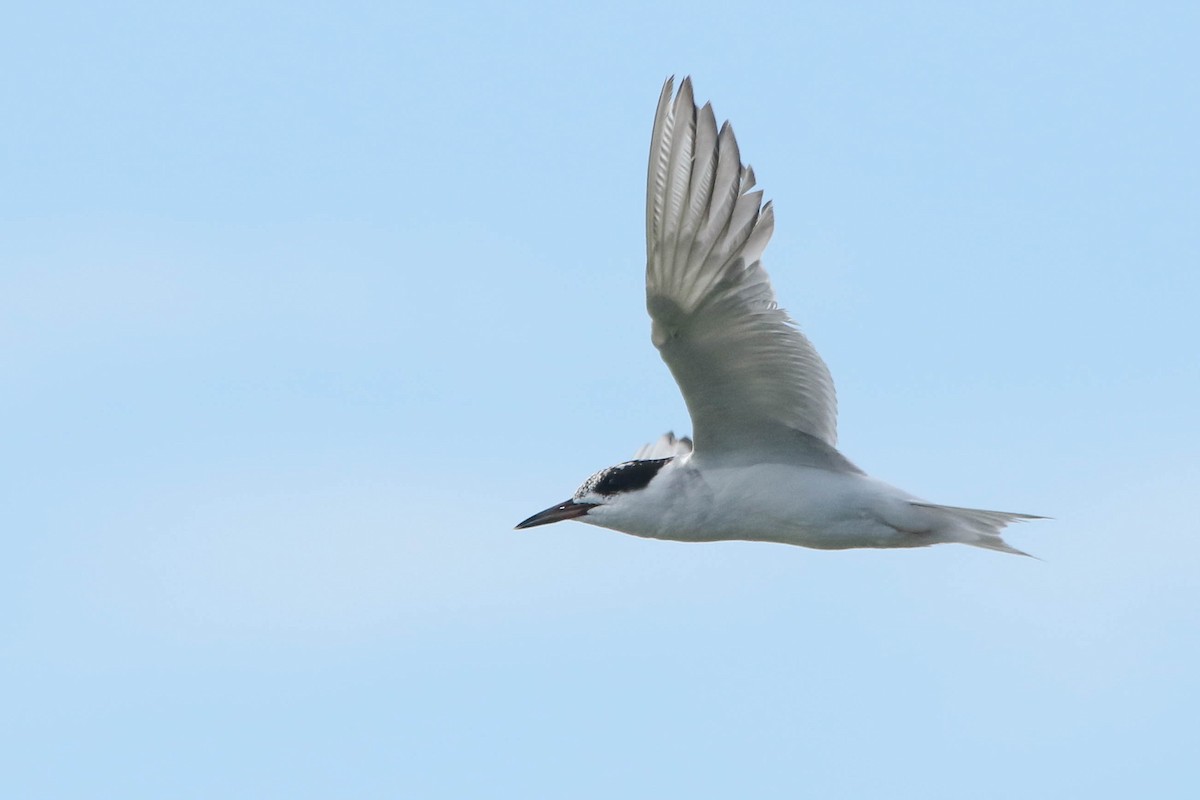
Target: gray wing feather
<point x="746" y="372"/>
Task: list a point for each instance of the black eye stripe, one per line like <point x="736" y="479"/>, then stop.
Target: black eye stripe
<point x="627" y="477"/>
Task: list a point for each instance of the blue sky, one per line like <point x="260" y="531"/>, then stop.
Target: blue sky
<point x="303" y="306"/>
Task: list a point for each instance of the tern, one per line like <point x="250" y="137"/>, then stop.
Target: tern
<point x="762" y="463"/>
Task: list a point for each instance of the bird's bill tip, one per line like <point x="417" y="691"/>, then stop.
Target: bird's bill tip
<point x="568" y="510"/>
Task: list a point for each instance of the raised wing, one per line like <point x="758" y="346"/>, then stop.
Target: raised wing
<point x="748" y="375"/>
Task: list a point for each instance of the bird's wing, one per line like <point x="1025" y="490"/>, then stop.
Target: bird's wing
<point x="667" y="446"/>
<point x="750" y="378"/>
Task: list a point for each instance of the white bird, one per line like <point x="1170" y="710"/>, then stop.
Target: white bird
<point x="764" y="466"/>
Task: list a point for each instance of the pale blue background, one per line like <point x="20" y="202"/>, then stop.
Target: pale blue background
<point x="304" y="305"/>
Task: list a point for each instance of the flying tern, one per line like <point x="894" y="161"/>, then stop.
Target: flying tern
<point x="764" y="464"/>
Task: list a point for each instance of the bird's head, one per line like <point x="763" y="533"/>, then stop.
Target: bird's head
<point x="608" y="487"/>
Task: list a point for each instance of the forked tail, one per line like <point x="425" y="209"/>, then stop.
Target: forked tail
<point x="978" y="527"/>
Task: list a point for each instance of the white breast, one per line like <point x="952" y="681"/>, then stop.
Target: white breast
<point x="759" y="502"/>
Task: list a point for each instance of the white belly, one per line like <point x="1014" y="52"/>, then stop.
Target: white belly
<point x="767" y="502"/>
